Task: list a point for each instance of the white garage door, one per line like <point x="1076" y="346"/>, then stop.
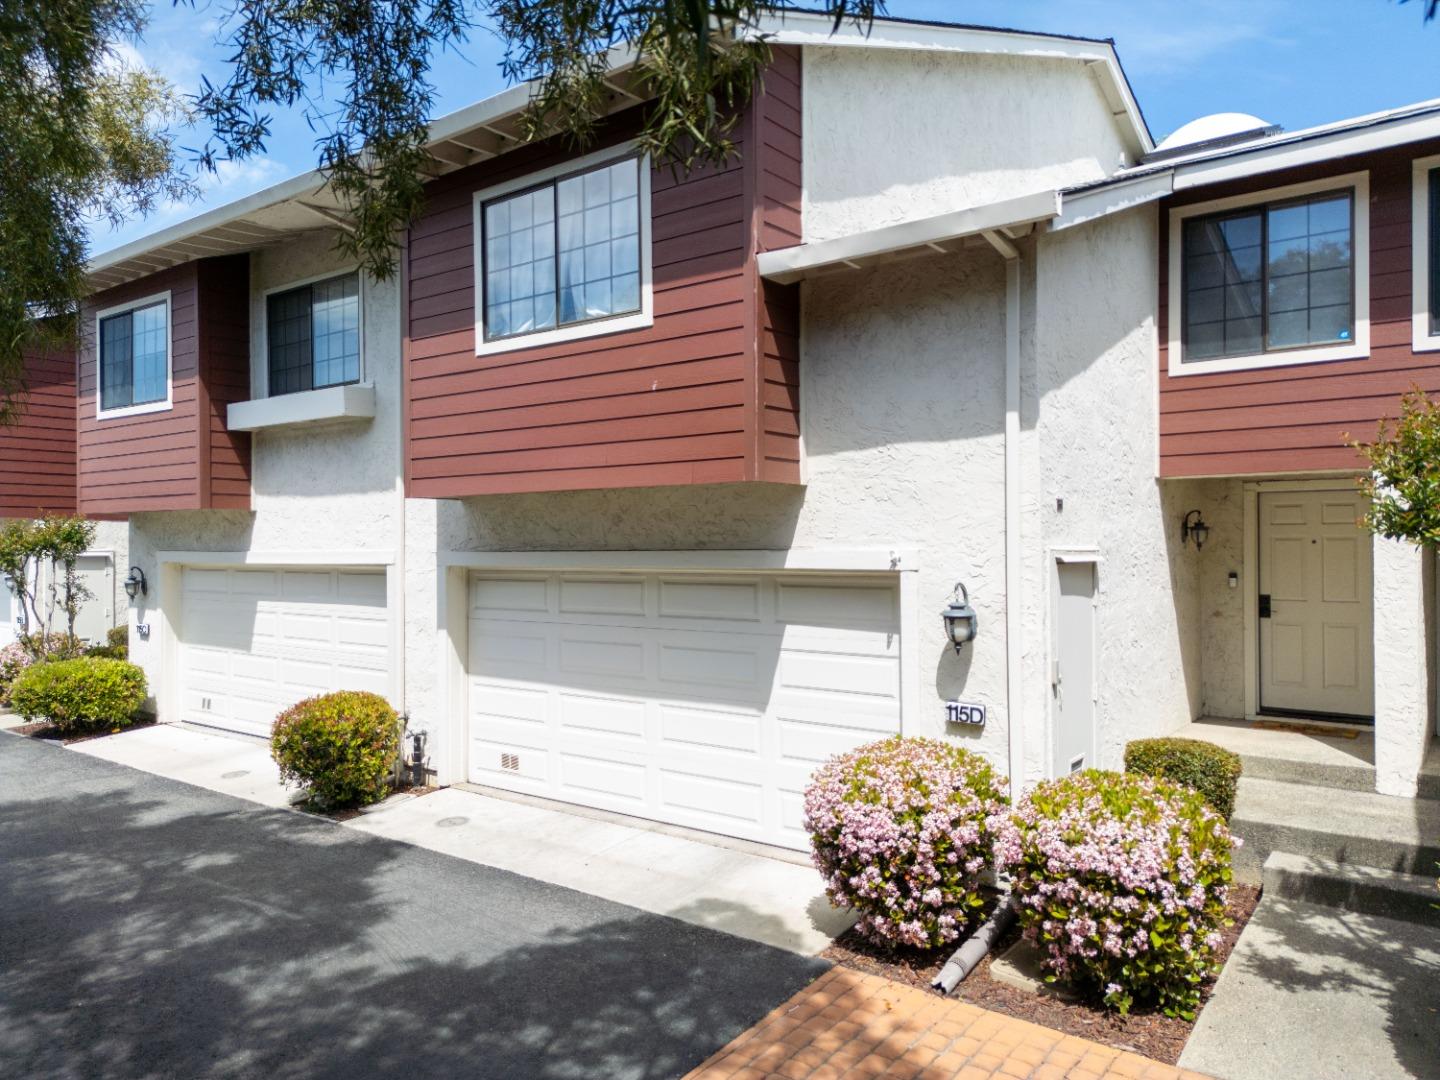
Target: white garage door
<point x="700" y="700"/>
<point x="256" y="640"/>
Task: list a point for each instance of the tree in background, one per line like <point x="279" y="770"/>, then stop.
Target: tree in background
<point x="39" y="560"/>
<point x="1403" y="483"/>
<point x="83" y="136"/>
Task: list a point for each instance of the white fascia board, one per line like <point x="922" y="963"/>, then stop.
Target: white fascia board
<point x="793" y="263"/>
<point x="1079" y="207"/>
<point x="330" y="404"/>
<point x="819" y="560"/>
<point x="1307" y="150"/>
<point x="804" y="28"/>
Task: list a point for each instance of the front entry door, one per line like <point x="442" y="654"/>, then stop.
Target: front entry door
<point x="1316" y="645"/>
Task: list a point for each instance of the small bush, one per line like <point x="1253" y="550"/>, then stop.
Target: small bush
<point x="80" y="695"/>
<point x="1209" y="769"/>
<point x="14" y="658"/>
<point x="56" y="646"/>
<point x="117" y="644"/>
<point x="1121" y="880"/>
<point x="343" y="746"/>
<point x="900" y="832"/>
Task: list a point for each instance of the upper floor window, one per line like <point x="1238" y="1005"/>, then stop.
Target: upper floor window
<point x="313" y="335"/>
<point x="564" y="255"/>
<point x="1259" y="282"/>
<point x="134" y="357"/>
<point x="1426" y="254"/>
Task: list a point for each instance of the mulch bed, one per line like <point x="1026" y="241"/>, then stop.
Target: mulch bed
<point x="1151" y="1033"/>
<point x="350" y="813"/>
<point x="43" y="730"/>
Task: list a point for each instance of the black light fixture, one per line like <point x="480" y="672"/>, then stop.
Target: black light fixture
<point x="135" y="584"/>
<point x="961" y="622"/>
<point x="1194" y="528"/>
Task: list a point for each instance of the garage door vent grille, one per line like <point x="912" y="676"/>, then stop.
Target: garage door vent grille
<point x="510" y="762"/>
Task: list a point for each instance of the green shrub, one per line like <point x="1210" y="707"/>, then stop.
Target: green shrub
<point x="1209" y="769"/>
<point x="342" y="746"/>
<point x="117" y="644"/>
<point x="81" y="694"/>
<point x="1121" y="881"/>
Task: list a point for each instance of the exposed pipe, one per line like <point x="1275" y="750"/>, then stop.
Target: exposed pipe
<point x="1013" y="606"/>
<point x="976" y="947"/>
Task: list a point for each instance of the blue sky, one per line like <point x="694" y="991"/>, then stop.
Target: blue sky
<point x="1292" y="62"/>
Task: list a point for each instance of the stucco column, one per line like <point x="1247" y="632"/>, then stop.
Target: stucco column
<point x="1402" y="718"/>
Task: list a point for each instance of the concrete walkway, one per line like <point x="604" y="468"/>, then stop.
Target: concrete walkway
<point x="740" y="892"/>
<point x="851" y="1025"/>
<point x="1324" y="994"/>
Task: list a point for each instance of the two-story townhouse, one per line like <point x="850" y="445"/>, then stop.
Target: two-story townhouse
<point x="1296" y="301"/>
<point x="37" y="477"/>
<point x="646" y="491"/>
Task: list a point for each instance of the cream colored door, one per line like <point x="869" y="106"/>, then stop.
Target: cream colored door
<point x="1316" y="610"/>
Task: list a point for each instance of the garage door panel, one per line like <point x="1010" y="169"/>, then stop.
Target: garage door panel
<point x="362" y="589"/>
<point x="588" y="714"/>
<point x="693" y="726"/>
<point x="682" y="697"/>
<point x="368" y="633"/>
<point x="255" y="584"/>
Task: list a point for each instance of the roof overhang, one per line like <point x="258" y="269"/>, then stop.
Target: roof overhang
<point x="940" y="234"/>
<point x="804" y="28"/>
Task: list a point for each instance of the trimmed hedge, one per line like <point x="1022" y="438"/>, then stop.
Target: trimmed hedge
<point x="1121" y="880"/>
<point x="117" y="644"/>
<point x="1209" y="769"/>
<point x="80" y="695"/>
<point x="342" y="746"/>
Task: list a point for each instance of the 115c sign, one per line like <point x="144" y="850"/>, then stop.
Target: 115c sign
<point x="962" y="712"/>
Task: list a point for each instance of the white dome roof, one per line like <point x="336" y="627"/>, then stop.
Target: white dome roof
<point x="1225" y="125"/>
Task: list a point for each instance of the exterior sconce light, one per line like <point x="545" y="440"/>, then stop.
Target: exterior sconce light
<point x="1194" y="528"/>
<point x="135" y="584"/>
<point x="961" y="622"/>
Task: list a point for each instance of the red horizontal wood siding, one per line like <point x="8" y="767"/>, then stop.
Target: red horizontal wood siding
<point x="180" y="458"/>
<point x="1299" y="418"/>
<point x="37" y="453"/>
<point x="685" y="400"/>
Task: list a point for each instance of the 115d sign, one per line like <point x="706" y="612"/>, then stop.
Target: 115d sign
<point x="961" y="712"/>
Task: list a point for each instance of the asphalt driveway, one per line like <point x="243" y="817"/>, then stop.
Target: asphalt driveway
<point x="152" y="929"/>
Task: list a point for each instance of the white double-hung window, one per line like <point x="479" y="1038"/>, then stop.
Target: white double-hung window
<point x="133" y="357"/>
<point x="564" y="254"/>
<point x="1426" y="254"/>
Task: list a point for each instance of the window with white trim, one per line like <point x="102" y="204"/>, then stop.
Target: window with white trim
<point x="312" y="335"/>
<point x="1433" y="229"/>
<point x="565" y="255"/>
<point x="1268" y="278"/>
<point x="1426" y="255"/>
<point x="134" y="356"/>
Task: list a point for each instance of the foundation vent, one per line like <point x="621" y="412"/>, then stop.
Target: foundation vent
<point x="510" y="762"/>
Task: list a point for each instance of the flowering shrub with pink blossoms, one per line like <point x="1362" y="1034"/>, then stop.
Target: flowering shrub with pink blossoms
<point x="1121" y="881"/>
<point x="900" y="831"/>
<point x="14" y="659"/>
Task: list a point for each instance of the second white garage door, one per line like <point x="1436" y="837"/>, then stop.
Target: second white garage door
<point x="699" y="700"/>
<point x="254" y="641"/>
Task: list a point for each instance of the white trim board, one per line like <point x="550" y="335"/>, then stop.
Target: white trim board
<point x="1359" y="183"/>
<point x="276" y="557"/>
<point x="822" y="560"/>
<point x="1422" y="337"/>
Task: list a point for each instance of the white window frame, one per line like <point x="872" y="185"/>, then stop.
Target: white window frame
<point x="635" y="320"/>
<point x="1359" y="348"/>
<point x="1422" y="340"/>
<point x="168" y="402"/>
<point x="260" y="349"/>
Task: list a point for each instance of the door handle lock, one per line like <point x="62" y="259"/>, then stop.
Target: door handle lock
<point x="1264" y="605"/>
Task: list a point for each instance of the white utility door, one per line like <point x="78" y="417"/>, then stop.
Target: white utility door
<point x="701" y="700"/>
<point x="1316" y="608"/>
<point x="97" y="615"/>
<point x="1072" y="674"/>
<point x="7" y="614"/>
<point x="254" y="641"/>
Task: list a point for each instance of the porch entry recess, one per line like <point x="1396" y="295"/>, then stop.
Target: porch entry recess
<point x="1316" y="607"/>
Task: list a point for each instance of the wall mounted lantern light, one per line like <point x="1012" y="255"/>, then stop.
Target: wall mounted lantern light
<point x="1194" y="528"/>
<point x="961" y="622"/>
<point x="135" y="584"/>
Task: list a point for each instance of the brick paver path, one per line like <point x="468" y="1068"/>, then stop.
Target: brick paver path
<point x="848" y="1024"/>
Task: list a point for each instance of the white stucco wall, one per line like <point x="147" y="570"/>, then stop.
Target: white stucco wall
<point x="903" y="417"/>
<point x="314" y="489"/>
<point x="892" y="135"/>
<point x="1091" y="401"/>
<point x="1403" y="584"/>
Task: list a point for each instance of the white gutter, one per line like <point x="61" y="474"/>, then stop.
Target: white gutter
<point x="1014" y="700"/>
<point x="792" y="264"/>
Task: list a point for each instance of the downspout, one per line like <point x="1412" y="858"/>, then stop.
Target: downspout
<point x="1013" y="606"/>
